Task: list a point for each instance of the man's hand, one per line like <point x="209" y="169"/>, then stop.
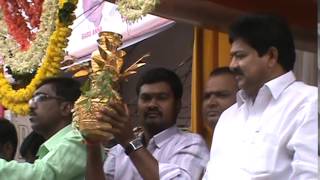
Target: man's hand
<point x="118" y="116"/>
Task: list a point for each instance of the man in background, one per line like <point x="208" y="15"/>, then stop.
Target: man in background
<point x="8" y="140"/>
<point x="219" y="94"/>
<point x="30" y="146"/>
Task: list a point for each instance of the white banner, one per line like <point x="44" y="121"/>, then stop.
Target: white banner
<point x="94" y="16"/>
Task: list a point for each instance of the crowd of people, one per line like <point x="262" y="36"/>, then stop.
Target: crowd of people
<point x="264" y="122"/>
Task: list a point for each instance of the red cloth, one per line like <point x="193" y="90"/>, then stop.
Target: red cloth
<point x="1" y="111"/>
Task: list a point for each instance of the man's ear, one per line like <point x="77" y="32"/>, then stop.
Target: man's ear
<point x="273" y="56"/>
<point x="66" y="108"/>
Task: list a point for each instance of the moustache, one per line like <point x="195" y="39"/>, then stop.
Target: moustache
<point x="236" y="71"/>
<point x="152" y="111"/>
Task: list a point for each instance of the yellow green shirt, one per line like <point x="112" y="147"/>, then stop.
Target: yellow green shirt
<point x="61" y="157"/>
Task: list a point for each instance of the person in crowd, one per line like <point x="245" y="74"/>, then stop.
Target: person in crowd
<point x="271" y="131"/>
<point x="162" y="151"/>
<point x="8" y="140"/>
<point x="219" y="94"/>
<point x="30" y="146"/>
<point x="63" y="154"/>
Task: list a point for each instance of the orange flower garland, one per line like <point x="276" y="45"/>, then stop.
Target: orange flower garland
<point x="32" y="10"/>
<point x="16" y="100"/>
<point x="17" y="25"/>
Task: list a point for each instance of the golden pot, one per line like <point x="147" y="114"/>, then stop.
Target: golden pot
<point x="104" y="76"/>
<point x="86" y="120"/>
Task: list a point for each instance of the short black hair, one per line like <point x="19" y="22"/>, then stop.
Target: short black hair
<point x="156" y="75"/>
<point x="8" y="133"/>
<point x="264" y="31"/>
<point x="65" y="87"/>
<point x="221" y="71"/>
<point x="31" y="144"/>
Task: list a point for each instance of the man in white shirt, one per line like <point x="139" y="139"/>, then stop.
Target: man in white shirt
<point x="162" y="151"/>
<point x="271" y="132"/>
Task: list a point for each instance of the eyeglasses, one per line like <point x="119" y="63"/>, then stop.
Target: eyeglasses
<point x="43" y="97"/>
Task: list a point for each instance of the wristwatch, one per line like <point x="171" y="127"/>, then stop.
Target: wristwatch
<point x="133" y="146"/>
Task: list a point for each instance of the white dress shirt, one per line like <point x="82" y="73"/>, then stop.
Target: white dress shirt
<point x="181" y="156"/>
<point x="274" y="138"/>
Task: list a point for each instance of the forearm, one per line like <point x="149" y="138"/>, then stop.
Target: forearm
<point x="65" y="162"/>
<point x="145" y="163"/>
<point x="94" y="170"/>
<point x="15" y="170"/>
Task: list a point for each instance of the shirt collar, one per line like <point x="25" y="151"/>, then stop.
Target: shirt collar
<point x="54" y="140"/>
<point x="276" y="87"/>
<point x="161" y="138"/>
<point x="241" y="97"/>
<point x="279" y="84"/>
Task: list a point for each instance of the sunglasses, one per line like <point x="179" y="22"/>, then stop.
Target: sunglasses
<point x="43" y="97"/>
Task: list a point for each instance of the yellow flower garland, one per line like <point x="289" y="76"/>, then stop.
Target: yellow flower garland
<point x="17" y="100"/>
<point x="29" y="60"/>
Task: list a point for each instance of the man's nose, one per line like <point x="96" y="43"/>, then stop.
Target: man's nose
<point x="212" y="100"/>
<point x="233" y="64"/>
<point x="153" y="102"/>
